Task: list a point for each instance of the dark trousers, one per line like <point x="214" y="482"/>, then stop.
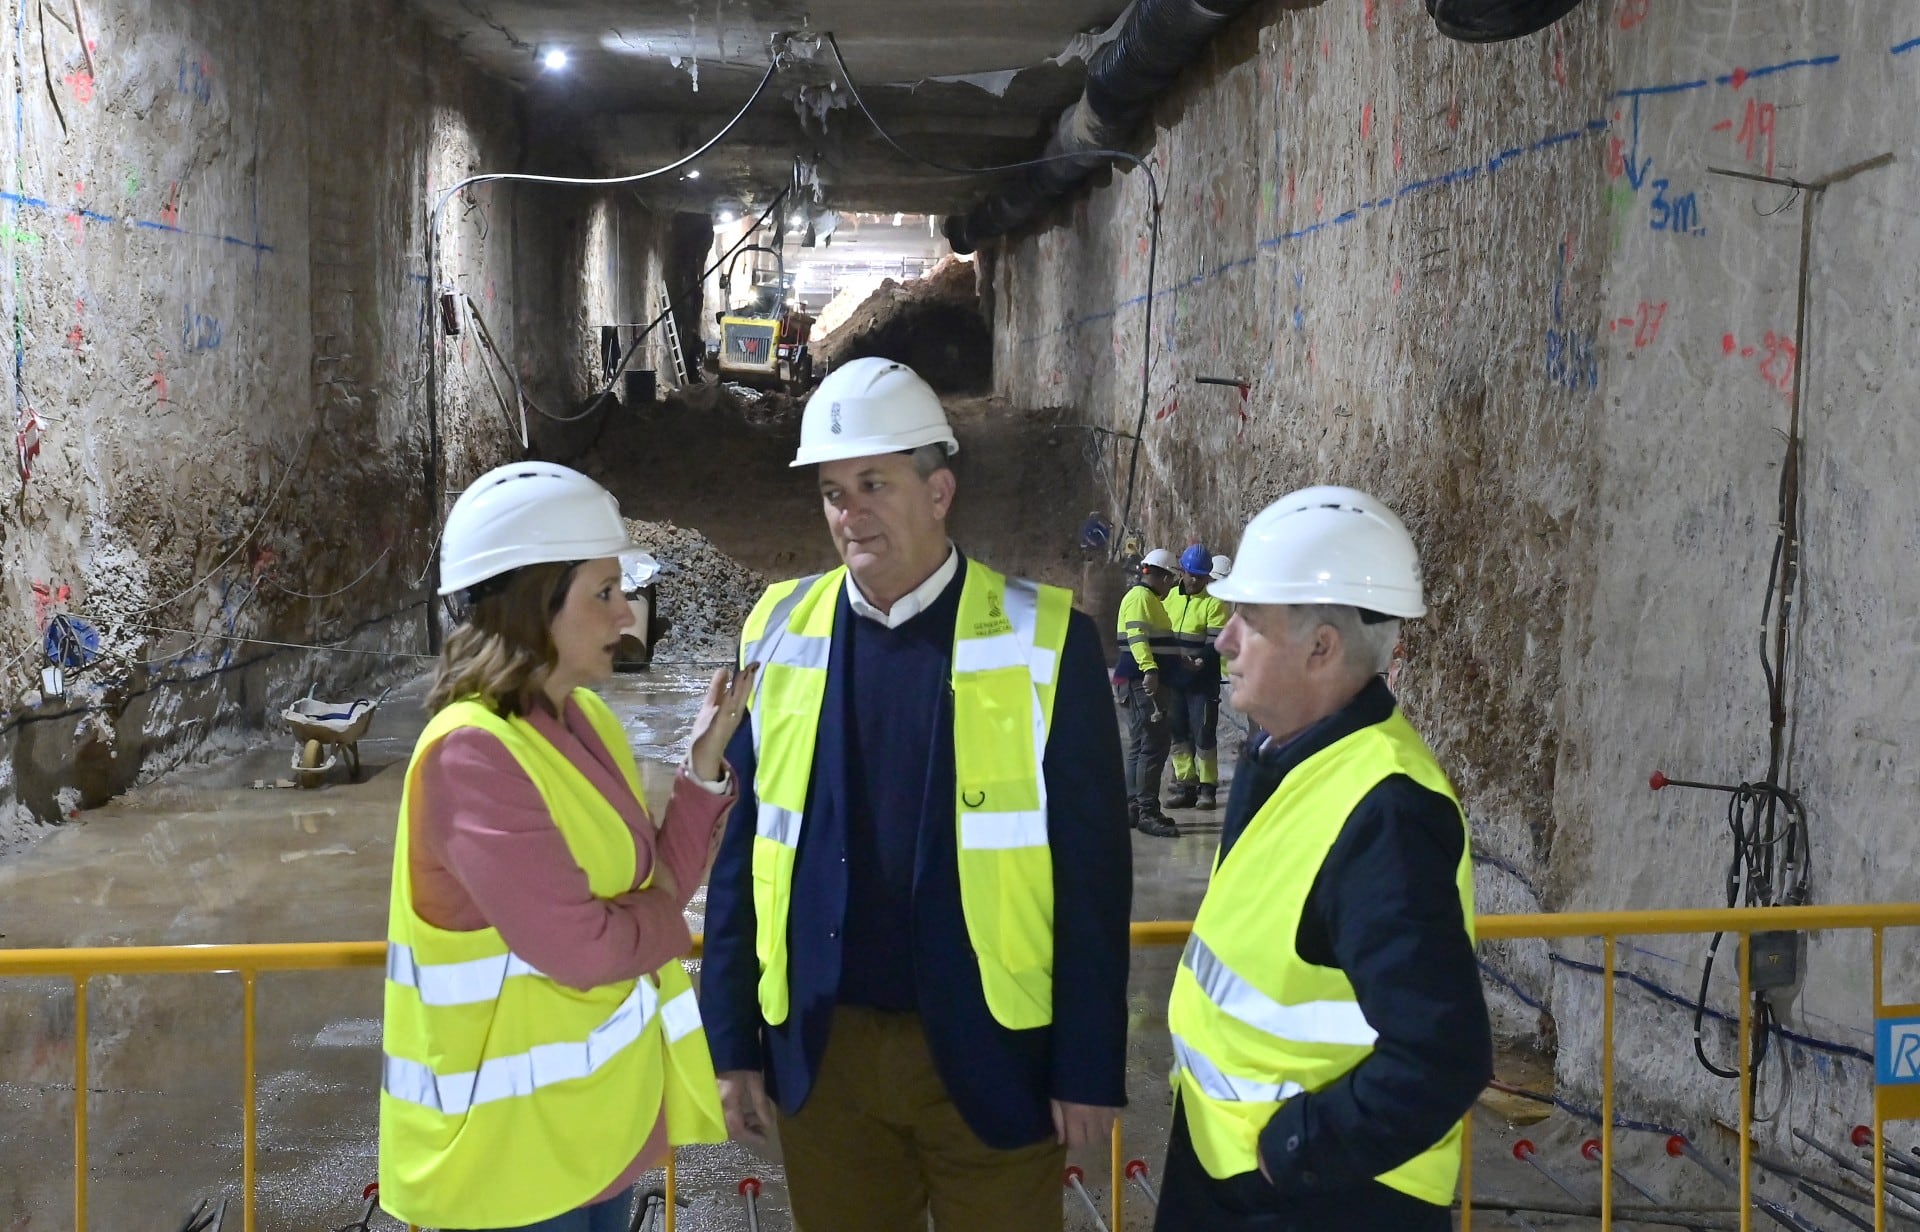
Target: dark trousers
<point x="608" y="1216"/>
<point x="1194" y="719"/>
<point x="1192" y="1201"/>
<point x="1147" y="744"/>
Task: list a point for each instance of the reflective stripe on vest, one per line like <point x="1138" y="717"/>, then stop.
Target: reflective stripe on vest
<point x="1008" y="637"/>
<point x="507" y="1099"/>
<point x="1254" y="1023"/>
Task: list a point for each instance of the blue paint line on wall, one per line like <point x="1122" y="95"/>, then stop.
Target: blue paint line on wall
<point x="1459" y="175"/>
<point x="1900" y="49"/>
<point x="41" y="204"/>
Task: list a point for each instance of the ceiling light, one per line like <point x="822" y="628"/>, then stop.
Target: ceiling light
<point x="897" y="218"/>
<point x="796" y="221"/>
<point x="692" y="175"/>
<point x="555" y="60"/>
<point x="726" y="215"/>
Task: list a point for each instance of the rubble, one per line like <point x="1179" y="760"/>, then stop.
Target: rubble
<point x="931" y="324"/>
<point x="703" y="595"/>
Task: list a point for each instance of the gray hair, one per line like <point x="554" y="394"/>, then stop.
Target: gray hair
<point x="928" y="459"/>
<point x="1368" y="647"/>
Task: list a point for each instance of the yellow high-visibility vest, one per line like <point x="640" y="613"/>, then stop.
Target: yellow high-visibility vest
<point x="508" y="1098"/>
<point x="1197" y="621"/>
<point x="1144" y="631"/>
<point x="1007" y="643"/>
<point x="1253" y="1023"/>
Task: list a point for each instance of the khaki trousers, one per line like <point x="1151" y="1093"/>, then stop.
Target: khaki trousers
<point x="879" y="1144"/>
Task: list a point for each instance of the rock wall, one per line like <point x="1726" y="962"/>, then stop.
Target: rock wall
<point x="1506" y="289"/>
<point x="213" y="268"/>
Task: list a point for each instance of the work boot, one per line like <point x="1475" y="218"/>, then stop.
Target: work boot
<point x="1133" y="814"/>
<point x="1158" y="826"/>
<point x="1206" y="801"/>
<point x="1182" y="794"/>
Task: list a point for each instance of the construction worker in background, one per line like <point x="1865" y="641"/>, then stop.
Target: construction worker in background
<point x="1329" y="1031"/>
<point x="1146" y="639"/>
<point x="1192" y="678"/>
<point x="542" y="1042"/>
<point x="916" y="944"/>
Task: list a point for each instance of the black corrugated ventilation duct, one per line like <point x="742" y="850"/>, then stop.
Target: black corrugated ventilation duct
<point x="1160" y="39"/>
<point x="1495" y="21"/>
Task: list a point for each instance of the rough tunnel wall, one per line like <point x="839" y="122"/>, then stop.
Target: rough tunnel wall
<point x="1499" y="287"/>
<point x="212" y="269"/>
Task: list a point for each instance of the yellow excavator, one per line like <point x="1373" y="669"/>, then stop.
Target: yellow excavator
<point x="763" y="343"/>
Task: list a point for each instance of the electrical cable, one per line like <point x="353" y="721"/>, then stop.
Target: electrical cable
<point x="335" y="648"/>
<point x="301" y="594"/>
<point x="1153" y="247"/>
<point x="439" y="206"/>
<point x="299" y="453"/>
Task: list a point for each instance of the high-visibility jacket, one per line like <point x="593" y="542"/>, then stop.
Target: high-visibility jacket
<point x="1253" y="1023"/>
<point x="1144" y="632"/>
<point x="1197" y="621"/>
<point x="508" y="1098"/>
<point x="1008" y="637"/>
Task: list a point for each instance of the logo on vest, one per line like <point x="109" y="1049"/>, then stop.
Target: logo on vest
<point x="993" y="607"/>
<point x="833" y="414"/>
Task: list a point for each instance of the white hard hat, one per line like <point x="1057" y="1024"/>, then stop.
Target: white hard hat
<point x="527" y="513"/>
<point x="1222" y="566"/>
<point x="1327" y="545"/>
<point x="871" y="406"/>
<point x="1159" y="558"/>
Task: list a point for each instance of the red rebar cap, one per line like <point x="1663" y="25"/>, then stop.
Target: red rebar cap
<point x="1073" y="1174"/>
<point x="370" y="1191"/>
<point x="1136" y="1168"/>
<point x="1523" y="1150"/>
<point x="1590" y="1149"/>
<point x="1657" y="780"/>
<point x="1861" y="1136"/>
<point x="751" y="1185"/>
<point x="1677" y="1145"/>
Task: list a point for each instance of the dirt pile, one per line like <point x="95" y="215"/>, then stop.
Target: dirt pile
<point x="703" y="594"/>
<point x="931" y="324"/>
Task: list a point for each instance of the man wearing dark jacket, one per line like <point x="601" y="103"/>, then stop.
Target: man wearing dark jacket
<point x="1329" y="1030"/>
<point x="916" y="937"/>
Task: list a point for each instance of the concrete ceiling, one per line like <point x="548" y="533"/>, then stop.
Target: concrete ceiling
<point x="649" y="80"/>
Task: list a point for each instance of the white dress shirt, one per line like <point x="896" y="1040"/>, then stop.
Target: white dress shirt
<point x="911" y="604"/>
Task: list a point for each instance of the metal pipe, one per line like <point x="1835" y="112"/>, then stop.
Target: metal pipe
<point x="1786" y="1216"/>
<point x="1807" y="1185"/>
<point x="1074" y="1178"/>
<point x="1857" y="1168"/>
<point x="80" y="1103"/>
<point x="1524" y="1151"/>
<point x="750" y="1191"/>
<point x="1137" y="1173"/>
<point x="1590" y="1149"/>
<point x="1862" y="1136"/>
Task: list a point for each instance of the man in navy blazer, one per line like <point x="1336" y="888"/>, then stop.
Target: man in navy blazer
<point x="897" y="1089"/>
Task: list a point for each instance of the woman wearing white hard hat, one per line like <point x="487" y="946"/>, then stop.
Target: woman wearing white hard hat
<point x="542" y="1043"/>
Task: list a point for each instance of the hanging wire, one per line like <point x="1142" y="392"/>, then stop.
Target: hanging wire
<point x="1153" y="247"/>
<point x="301" y="594"/>
<point x="292" y="465"/>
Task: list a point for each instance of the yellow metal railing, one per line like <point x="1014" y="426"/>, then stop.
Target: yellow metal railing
<point x="249" y="961"/>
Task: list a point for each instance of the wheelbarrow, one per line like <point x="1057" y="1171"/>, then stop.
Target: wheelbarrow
<point x="325" y="734"/>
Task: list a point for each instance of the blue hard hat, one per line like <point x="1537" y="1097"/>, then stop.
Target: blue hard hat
<point x="1196" y="559"/>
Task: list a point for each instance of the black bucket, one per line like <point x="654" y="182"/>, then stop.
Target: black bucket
<point x="641" y="386"/>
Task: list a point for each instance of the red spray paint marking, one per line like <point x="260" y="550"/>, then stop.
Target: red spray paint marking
<point x="1171" y="408"/>
<point x="1737" y="78"/>
<point x="1396" y="282"/>
<point x="1633" y="12"/>
<point x="1370" y="15"/>
<point x="160" y="377"/>
<point x="1326" y="49"/>
<point x="1366" y="121"/>
<point x="46" y="597"/>
<point x="80" y="83"/>
<point x="170" y="212"/>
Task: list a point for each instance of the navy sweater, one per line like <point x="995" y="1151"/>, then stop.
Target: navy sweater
<point x="1385" y="912"/>
<point x="851" y="909"/>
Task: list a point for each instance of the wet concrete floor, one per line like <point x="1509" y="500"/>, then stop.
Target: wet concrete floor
<point x="205" y="856"/>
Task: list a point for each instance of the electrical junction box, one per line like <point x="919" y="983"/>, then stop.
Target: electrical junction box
<point x="1773" y="960"/>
